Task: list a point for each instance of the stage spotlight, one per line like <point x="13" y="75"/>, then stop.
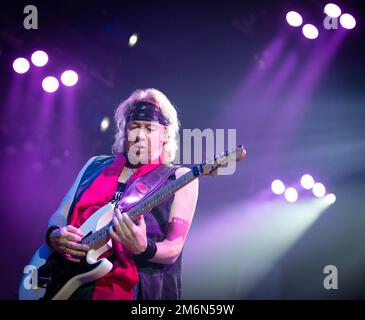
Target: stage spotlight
<point x="330" y="198"/>
<point x="332" y="10"/>
<point x="294" y="19"/>
<point x="307" y="181"/>
<point x="310" y="31"/>
<point x="104" y="124"/>
<point x="291" y="195"/>
<point x="347" y="21"/>
<point x="21" y="65"/>
<point x="69" y="78"/>
<point x="278" y="187"/>
<point x="319" y="190"/>
<point x="133" y="39"/>
<point x="39" y="58"/>
<point x="50" y="84"/>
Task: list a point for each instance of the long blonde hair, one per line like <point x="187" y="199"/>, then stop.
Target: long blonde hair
<point x="157" y="97"/>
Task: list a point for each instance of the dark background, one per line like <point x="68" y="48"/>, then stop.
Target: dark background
<point x="217" y="62"/>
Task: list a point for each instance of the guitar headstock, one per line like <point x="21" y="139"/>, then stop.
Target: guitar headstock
<point x="211" y="166"/>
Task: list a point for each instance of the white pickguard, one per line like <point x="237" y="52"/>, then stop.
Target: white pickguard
<point x="28" y="289"/>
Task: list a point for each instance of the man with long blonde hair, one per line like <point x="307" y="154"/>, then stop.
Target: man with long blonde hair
<point x="146" y="255"/>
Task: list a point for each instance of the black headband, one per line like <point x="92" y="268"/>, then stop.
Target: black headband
<point x="146" y="111"/>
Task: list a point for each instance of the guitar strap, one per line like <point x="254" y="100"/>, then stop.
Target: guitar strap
<point x="144" y="186"/>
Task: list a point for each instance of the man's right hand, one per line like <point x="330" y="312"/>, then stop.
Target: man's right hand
<point x="64" y="240"/>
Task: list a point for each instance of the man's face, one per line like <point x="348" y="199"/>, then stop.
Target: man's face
<point x="144" y="141"/>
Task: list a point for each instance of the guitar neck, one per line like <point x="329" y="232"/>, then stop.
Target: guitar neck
<point x="100" y="237"/>
<point x="161" y="194"/>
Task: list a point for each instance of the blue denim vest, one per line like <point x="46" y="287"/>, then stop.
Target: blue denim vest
<point x="89" y="175"/>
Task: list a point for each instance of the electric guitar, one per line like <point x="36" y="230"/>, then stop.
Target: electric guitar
<point x="50" y="276"/>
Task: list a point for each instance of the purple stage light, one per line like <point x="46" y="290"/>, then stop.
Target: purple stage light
<point x="319" y="190"/>
<point x="310" y="31"/>
<point x="277" y="187"/>
<point x="294" y="19"/>
<point x="39" y="58"/>
<point x="133" y="39"/>
<point x="291" y="195"/>
<point x="50" y="84"/>
<point x="307" y="181"/>
<point x="332" y="10"/>
<point x="69" y="78"/>
<point x="21" y="65"/>
<point x="347" y="21"/>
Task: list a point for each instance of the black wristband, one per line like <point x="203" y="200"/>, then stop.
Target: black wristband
<point x="48" y="233"/>
<point x="148" y="253"/>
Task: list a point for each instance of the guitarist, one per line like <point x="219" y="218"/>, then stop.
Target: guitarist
<point x="146" y="254"/>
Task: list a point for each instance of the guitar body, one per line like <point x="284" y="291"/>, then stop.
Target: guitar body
<point x="49" y="275"/>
